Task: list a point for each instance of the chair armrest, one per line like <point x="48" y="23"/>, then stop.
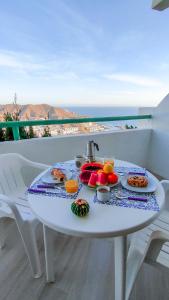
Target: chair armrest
<point x="165" y="184"/>
<point x="137" y="255"/>
<point x="36" y="165"/>
<point x="157" y="239"/>
<point x="11" y="205"/>
<point x="30" y="169"/>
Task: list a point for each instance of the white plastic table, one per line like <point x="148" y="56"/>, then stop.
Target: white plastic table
<point x="103" y="221"/>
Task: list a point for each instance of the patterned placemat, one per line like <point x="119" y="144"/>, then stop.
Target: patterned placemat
<point x="59" y="191"/>
<point x="151" y="203"/>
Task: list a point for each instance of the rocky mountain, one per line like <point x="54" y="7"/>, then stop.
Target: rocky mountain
<point x="37" y="111"/>
<point x="45" y="111"/>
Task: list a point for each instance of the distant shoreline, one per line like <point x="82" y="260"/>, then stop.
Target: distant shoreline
<point x="93" y="111"/>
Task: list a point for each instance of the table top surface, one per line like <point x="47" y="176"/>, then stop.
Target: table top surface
<point x="102" y="220"/>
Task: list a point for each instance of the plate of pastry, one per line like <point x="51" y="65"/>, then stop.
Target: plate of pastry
<point x="139" y="183"/>
<point x="56" y="176"/>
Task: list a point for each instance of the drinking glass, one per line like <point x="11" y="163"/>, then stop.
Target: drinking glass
<point x="79" y="161"/>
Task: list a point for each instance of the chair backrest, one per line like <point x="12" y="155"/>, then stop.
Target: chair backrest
<point x="10" y="173"/>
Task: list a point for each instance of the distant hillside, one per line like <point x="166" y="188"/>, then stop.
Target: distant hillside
<point x="38" y="111"/>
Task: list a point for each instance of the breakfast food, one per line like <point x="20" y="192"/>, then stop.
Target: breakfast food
<point x="92" y="167"/>
<point x="93" y="180"/>
<point x="112" y="178"/>
<point x="108" y="168"/>
<point x="103" y="190"/>
<point x="58" y="174"/>
<point x="85" y="176"/>
<point x="110" y="162"/>
<point x="102" y="179"/>
<point x="80" y="207"/>
<point x="137" y="181"/>
<point x="71" y="186"/>
<point x="103" y="193"/>
<point x="100" y="171"/>
<point x="96" y="174"/>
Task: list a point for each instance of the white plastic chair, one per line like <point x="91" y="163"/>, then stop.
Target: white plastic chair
<point x="150" y="245"/>
<point x="15" y="173"/>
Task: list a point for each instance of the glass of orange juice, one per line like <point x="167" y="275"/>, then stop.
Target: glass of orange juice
<point x="71" y="186"/>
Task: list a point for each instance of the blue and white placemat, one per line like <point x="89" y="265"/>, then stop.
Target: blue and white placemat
<point x="126" y="170"/>
<point x="151" y="203"/>
<point x="59" y="191"/>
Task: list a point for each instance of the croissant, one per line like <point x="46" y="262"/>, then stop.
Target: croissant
<point x="58" y="174"/>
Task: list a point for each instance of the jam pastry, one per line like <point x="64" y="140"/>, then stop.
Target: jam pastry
<point x="138" y="181"/>
<point x="58" y="174"/>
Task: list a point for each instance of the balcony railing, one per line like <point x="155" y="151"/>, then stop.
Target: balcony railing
<point x="16" y="124"/>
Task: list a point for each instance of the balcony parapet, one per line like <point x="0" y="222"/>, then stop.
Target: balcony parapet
<point x="16" y="124"/>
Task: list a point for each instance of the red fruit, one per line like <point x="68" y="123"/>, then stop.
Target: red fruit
<point x="102" y="179"/>
<point x="92" y="180"/>
<point x="92" y="167"/>
<point x="85" y="176"/>
<point x="112" y="178"/>
<point x="100" y="171"/>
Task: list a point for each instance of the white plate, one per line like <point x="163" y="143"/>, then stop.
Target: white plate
<point x="48" y="178"/>
<point x="148" y="189"/>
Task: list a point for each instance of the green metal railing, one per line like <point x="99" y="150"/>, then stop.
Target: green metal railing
<point x="16" y="124"/>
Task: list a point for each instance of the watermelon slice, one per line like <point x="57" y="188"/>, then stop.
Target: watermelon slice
<point x="93" y="180"/>
<point x="102" y="179"/>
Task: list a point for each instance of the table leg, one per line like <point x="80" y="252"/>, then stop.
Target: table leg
<point x="120" y="267"/>
<point x="49" y="253"/>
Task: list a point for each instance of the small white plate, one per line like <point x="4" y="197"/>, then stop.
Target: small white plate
<point x="49" y="179"/>
<point x="148" y="189"/>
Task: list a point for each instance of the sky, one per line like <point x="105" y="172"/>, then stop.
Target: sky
<point x="83" y="52"/>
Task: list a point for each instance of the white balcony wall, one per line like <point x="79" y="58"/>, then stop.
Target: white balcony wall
<point x="160" y="114"/>
<point x="158" y="154"/>
<point x="131" y="145"/>
<point x="146" y="147"/>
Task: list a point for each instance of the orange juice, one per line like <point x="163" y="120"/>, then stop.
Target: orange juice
<point x="71" y="186"/>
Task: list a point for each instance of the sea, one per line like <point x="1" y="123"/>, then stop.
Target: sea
<point x="108" y="111"/>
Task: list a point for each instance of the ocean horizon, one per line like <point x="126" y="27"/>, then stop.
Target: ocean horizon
<point x="108" y="111"/>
